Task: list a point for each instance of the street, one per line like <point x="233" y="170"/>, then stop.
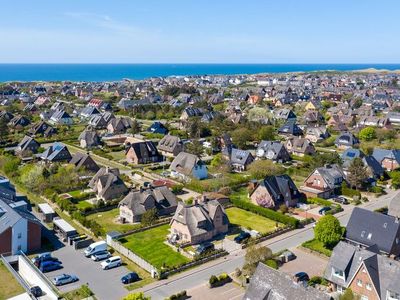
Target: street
<point x="196" y="277"/>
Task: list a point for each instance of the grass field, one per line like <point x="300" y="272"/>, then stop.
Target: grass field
<point x="249" y="220"/>
<point x="83" y="204"/>
<point x="149" y="244"/>
<point x="107" y="220"/>
<point x="317" y="246"/>
<point x="9" y="286"/>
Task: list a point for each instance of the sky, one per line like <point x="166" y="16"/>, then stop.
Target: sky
<point x="193" y="31"/>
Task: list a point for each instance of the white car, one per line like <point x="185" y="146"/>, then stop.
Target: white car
<point x="101" y="255"/>
<point x="112" y="262"/>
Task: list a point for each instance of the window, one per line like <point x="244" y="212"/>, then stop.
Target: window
<point x="392" y="296"/>
<point x="19" y="248"/>
<point x="369" y="236"/>
<point x="362" y="233"/>
<point x="338" y="273"/>
<point x="368" y="287"/>
<point x="359" y="282"/>
<point x="19" y="235"/>
<point x="364" y="297"/>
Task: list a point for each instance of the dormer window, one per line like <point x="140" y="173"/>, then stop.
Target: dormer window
<point x="392" y="295"/>
<point x="338" y="273"/>
<point x="369" y="236"/>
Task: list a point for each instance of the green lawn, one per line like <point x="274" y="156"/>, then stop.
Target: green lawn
<point x="9" y="286"/>
<point x="246" y="219"/>
<point x="149" y="244"/>
<point x="118" y="155"/>
<point x="83" y="204"/>
<point x="240" y="194"/>
<point x="107" y="220"/>
<point x="317" y="246"/>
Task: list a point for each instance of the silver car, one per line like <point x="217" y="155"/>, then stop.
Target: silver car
<point x="101" y="255"/>
<point x="64" y="279"/>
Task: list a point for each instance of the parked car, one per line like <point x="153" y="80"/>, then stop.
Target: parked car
<point x="341" y="200"/>
<point x="287" y="256"/>
<point x="41" y="257"/>
<point x="111" y="262"/>
<point x="301" y="276"/>
<point x="101" y="255"/>
<point x="95" y="248"/>
<point x="204" y="247"/>
<point x="48" y="266"/>
<point x="64" y="279"/>
<point x="323" y="210"/>
<point x="130" y="277"/>
<point x="39" y="262"/>
<point x="242" y="237"/>
<point x="36" y="291"/>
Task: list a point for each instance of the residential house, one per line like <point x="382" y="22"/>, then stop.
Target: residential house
<point x="136" y="203"/>
<point x="88" y="112"/>
<point x="43" y="129"/>
<point x="5" y="115"/>
<point x="313" y="117"/>
<point x="190" y="112"/>
<point x="299" y="146"/>
<point x="84" y="161"/>
<point x="269" y="284"/>
<point x="142" y="153"/>
<point x="368" y="228"/>
<point x="374" y="122"/>
<point x="158" y="127"/>
<point x="19" y="122"/>
<point x="240" y="159"/>
<point x="98" y="122"/>
<point x="57" y="152"/>
<point x="394" y="206"/>
<point x="61" y="117"/>
<point x="272" y="150"/>
<point x="346" y="140"/>
<point x="368" y="274"/>
<point x="285" y="114"/>
<point x="388" y="159"/>
<point x="197" y="223"/>
<point x="119" y="125"/>
<point x="324" y="182"/>
<point x="290" y="128"/>
<point x="107" y="184"/>
<point x="188" y="165"/>
<point x="27" y="146"/>
<point x="274" y="191"/>
<point x="170" y="145"/>
<point x="19" y="230"/>
<point x="312" y="105"/>
<point x="89" y="139"/>
<point x="317" y="134"/>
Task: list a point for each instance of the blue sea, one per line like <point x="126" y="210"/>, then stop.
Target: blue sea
<point x="114" y="72"/>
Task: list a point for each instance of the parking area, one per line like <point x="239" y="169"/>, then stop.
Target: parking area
<point x="229" y="291"/>
<point x="105" y="284"/>
<point x="312" y="264"/>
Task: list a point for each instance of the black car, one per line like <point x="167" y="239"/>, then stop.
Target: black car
<point x="341" y="200"/>
<point x="205" y="247"/>
<point x="242" y="237"/>
<point x="130" y="277"/>
<point x="301" y="276"/>
<point x="38" y="262"/>
<point x="36" y="291"/>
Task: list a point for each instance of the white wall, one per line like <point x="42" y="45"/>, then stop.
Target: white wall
<point x="34" y="278"/>
<point x="21" y="227"/>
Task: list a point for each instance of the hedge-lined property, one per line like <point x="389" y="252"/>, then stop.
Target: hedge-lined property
<point x="266" y="212"/>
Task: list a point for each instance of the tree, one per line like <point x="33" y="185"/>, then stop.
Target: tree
<point x="259" y="169"/>
<point x="328" y="231"/>
<point x="135" y="128"/>
<point x="367" y="134"/>
<point x="136" y="296"/>
<point x="255" y="254"/>
<point x="266" y="133"/>
<point x="322" y="159"/>
<point x="32" y="177"/>
<point x="4" y="130"/>
<point x="195" y="148"/>
<point x="357" y="173"/>
<point x="149" y="217"/>
<point x="348" y="295"/>
<point x="241" y="136"/>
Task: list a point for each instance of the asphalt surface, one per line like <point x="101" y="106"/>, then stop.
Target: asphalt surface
<point x="197" y="277"/>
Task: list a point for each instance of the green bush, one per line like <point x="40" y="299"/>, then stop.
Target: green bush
<point x="317" y="246"/>
<point x="319" y="201"/>
<point x="213" y="280"/>
<point x="377" y="190"/>
<point x="266" y="212"/>
<point x="346" y="191"/>
<point x="272" y="263"/>
<point x="317" y="280"/>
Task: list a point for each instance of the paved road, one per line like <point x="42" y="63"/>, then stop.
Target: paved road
<point x="198" y="276"/>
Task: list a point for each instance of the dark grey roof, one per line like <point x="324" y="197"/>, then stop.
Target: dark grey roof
<point x="185" y="162"/>
<point x="394" y="206"/>
<point x="241" y="157"/>
<point x="371" y="228"/>
<point x="273" y="150"/>
<point x="381" y="154"/>
<point x="270" y="284"/>
<point x="346" y="139"/>
<point x="383" y="271"/>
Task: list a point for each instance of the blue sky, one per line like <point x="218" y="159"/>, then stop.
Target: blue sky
<point x="217" y="31"/>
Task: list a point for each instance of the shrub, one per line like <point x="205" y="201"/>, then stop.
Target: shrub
<point x="266" y="212"/>
<point x="272" y="263"/>
<point x="317" y="280"/>
<point x="377" y="190"/>
<point x="346" y="191"/>
<point x="213" y="280"/>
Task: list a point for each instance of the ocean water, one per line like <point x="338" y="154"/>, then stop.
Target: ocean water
<point x="114" y="72"/>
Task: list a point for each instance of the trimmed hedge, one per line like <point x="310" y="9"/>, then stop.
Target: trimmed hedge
<point x="272" y="263"/>
<point x="266" y="212"/>
<point x="319" y="201"/>
<point x="179" y="296"/>
<point x="346" y="191"/>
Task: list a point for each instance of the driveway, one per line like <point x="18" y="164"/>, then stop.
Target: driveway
<point x="312" y="264"/>
<point x="105" y="284"/>
<point x="229" y="291"/>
